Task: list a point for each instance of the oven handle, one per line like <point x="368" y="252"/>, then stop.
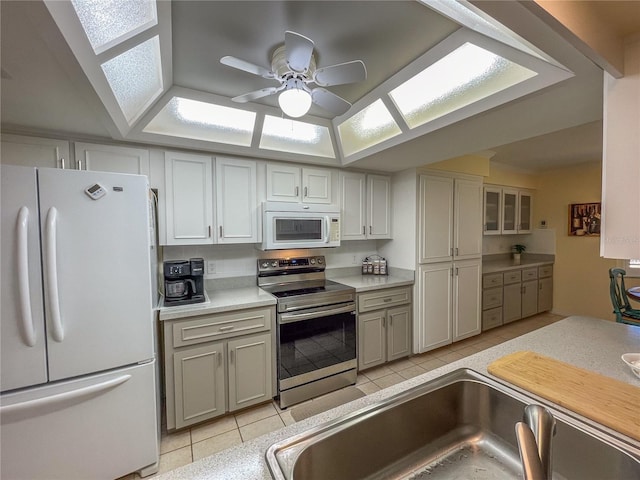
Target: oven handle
<point x="298" y="317"/>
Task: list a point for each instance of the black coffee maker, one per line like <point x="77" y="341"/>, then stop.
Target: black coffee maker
<point x="183" y="282"/>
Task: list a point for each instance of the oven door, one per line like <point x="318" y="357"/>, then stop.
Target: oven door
<point x="315" y="343"/>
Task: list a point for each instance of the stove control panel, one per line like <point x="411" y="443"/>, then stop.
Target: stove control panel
<point x="285" y="264"/>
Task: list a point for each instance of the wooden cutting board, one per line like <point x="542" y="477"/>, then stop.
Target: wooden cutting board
<point x="607" y="401"/>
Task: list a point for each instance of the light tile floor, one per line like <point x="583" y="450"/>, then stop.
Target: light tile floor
<point x="185" y="446"/>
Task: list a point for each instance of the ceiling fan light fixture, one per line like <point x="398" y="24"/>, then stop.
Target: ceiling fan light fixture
<point x="294" y="100"/>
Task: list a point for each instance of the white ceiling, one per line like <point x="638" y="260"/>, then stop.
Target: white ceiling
<point x="43" y="89"/>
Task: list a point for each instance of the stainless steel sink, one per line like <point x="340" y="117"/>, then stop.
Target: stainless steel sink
<point x="458" y="426"/>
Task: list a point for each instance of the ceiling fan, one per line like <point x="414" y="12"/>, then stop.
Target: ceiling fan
<point x="294" y="66"/>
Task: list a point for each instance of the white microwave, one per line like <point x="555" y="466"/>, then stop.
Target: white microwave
<point x="296" y="225"/>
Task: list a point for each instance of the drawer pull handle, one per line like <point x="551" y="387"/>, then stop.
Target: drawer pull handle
<point x="387" y="300"/>
<point x="227" y="328"/>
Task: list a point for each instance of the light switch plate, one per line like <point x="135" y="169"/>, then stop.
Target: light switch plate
<point x="211" y="267"/>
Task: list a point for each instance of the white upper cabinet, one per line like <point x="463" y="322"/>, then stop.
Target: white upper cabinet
<point x="492" y="210"/>
<point x="378" y="206"/>
<point x="236" y="203"/>
<point x="287" y="183"/>
<point x="112" y="158"/>
<point x="365" y="206"/>
<point x="353" y="206"/>
<point x="507" y="210"/>
<point x="35" y="152"/>
<point x="189" y="202"/>
<point x="450" y="218"/>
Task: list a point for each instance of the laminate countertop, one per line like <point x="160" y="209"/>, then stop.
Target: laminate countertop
<point x="221" y="300"/>
<point x="585" y="342"/>
<point x="365" y="283"/>
<point x="494" y="266"/>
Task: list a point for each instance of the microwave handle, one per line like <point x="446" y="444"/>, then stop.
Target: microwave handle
<point x="328" y="232"/>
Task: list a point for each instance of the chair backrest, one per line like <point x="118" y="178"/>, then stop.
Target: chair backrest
<point x="618" y="291"/>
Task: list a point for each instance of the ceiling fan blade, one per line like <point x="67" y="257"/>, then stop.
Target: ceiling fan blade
<point x="249" y="97"/>
<point x="348" y="72"/>
<point x="246" y="66"/>
<point x="329" y="101"/>
<point x="298" y="50"/>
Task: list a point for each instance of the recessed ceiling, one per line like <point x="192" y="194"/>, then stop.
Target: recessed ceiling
<point x="387" y="36"/>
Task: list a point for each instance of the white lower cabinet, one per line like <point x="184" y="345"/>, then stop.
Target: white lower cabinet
<point x="450" y="303"/>
<point x="217" y="363"/>
<point x="384" y="326"/>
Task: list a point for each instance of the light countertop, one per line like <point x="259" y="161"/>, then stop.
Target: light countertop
<point x="221" y="300"/>
<point x="364" y="283"/>
<point x="585" y="342"/>
<point x="493" y="266"/>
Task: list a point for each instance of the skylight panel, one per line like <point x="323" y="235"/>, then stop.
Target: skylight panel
<point x="465" y="76"/>
<point x="370" y="126"/>
<point x="135" y="77"/>
<point x="293" y="136"/>
<point x="186" y="118"/>
<point x="109" y="22"/>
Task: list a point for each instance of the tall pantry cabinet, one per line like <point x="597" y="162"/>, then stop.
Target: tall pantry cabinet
<point x="450" y="260"/>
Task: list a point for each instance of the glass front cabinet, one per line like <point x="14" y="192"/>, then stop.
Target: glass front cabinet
<point x="507" y="211"/>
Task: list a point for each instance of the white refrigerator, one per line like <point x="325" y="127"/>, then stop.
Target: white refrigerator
<point x="78" y="371"/>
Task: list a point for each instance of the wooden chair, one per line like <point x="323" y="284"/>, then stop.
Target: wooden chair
<point x="621" y="307"/>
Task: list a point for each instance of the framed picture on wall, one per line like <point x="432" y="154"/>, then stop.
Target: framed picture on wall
<point x="584" y="219"/>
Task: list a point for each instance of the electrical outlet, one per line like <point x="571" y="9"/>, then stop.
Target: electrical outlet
<point x="354" y="261"/>
<point x="211" y="267"/>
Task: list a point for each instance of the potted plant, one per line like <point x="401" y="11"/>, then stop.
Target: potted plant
<point x="517" y="251"/>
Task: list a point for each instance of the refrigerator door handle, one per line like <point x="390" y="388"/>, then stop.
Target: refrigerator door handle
<point x="58" y="400"/>
<point x="52" y="275"/>
<point x="22" y="241"/>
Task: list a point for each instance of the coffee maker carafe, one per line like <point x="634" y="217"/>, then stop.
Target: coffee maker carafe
<point x="184" y="282"/>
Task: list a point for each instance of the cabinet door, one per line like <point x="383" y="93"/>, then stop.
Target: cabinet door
<point x="512" y="302"/>
<point x="398" y="332"/>
<point x="371" y="339"/>
<point x="492" y="210"/>
<point x="352" y="200"/>
<point x="283" y="183"/>
<point x="236" y="204"/>
<point x="199" y="384"/>
<point x="545" y="294"/>
<point x="436" y="219"/>
<point x="189" y="202"/>
<point x="509" y="211"/>
<point x="467" y="219"/>
<point x="35" y="152"/>
<point x="379" y="206"/>
<point x="433" y="328"/>
<point x="249" y="370"/>
<point x="525" y="207"/>
<point x="467" y="280"/>
<point x="316" y="185"/>
<point x="529" y="298"/>
<point x="112" y="158"/>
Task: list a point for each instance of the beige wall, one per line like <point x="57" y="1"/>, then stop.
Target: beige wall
<point x="581" y="278"/>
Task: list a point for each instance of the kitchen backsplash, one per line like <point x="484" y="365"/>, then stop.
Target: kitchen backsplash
<point x="538" y="241"/>
<point x="241" y="260"/>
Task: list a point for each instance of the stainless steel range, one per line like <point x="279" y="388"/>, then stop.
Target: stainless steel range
<point x="315" y="328"/>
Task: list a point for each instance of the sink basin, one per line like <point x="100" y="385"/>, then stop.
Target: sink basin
<point x="460" y="425"/>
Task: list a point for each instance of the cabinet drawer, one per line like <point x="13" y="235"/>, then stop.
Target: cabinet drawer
<point x="491" y="280"/>
<point x="529" y="274"/>
<point x="223" y="325"/>
<point x="491" y="318"/>
<point x="545" y="271"/>
<point x="512" y="277"/>
<point x="378" y="299"/>
<point x="491" y="297"/>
